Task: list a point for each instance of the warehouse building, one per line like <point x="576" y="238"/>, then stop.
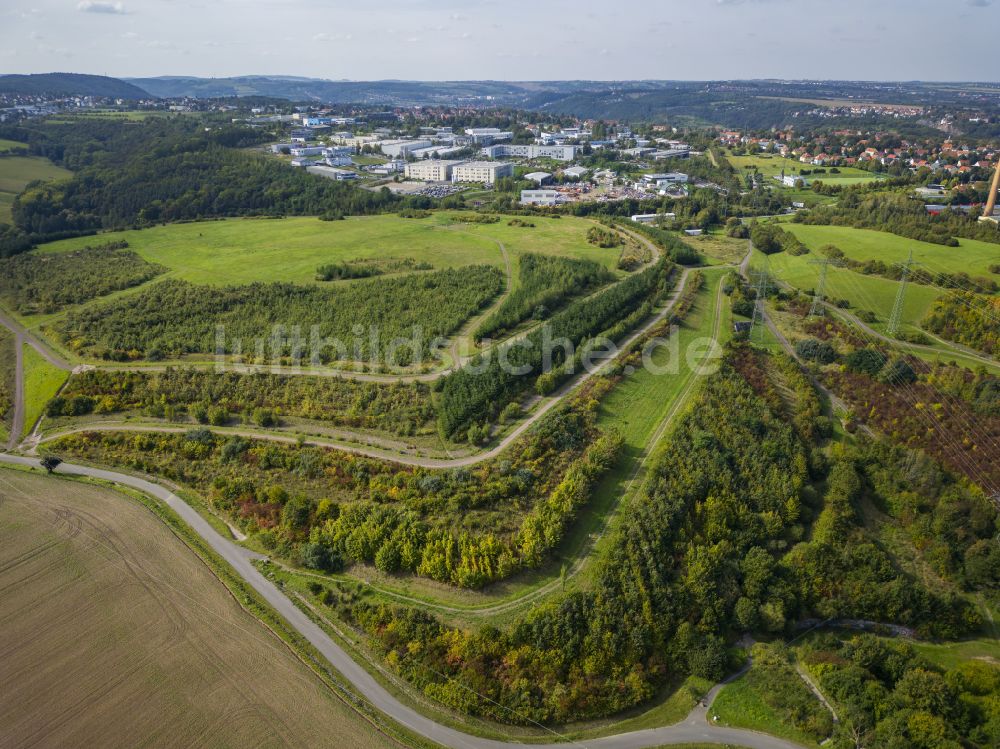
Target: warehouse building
<point x="487" y="172"/>
<point x="400" y="149"/>
<point x="540" y="197"/>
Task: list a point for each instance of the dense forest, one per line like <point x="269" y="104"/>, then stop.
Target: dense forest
<point x="546" y="283"/>
<point x="43" y="283"/>
<point x="219" y="398"/>
<point x="135" y="174"/>
<point x="399" y="318"/>
<point x="715" y="545"/>
<point x="890" y="697"/>
<point x="475" y="394"/>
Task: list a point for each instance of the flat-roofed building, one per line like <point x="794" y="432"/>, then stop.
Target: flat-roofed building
<point x="487" y="172"/>
<point x="540" y="197"/>
<point x="531" y="151"/>
<point x="431" y="170"/>
<point x="400" y="149"/>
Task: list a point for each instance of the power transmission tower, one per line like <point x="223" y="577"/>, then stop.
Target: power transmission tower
<point x="761" y="287"/>
<point x="897" y="308"/>
<point x="820" y="295"/>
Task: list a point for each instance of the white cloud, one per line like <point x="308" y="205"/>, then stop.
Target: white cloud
<point x="99" y="6"/>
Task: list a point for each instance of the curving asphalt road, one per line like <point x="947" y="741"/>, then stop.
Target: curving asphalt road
<point x="695" y="728"/>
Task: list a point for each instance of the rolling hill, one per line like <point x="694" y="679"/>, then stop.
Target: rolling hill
<point x="70" y="84"/>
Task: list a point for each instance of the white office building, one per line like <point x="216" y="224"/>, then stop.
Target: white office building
<point x="540" y="197"/>
<point x="507" y="150"/>
<point x="487" y="135"/>
<point x="487" y="172"/>
<point x="431" y="170"/>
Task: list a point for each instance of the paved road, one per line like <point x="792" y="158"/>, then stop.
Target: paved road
<point x="693" y="729"/>
<point x="51" y="357"/>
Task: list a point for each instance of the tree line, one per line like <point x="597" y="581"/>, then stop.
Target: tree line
<point x="900" y="214"/>
<point x="475" y="394"/>
<point x="547" y="282"/>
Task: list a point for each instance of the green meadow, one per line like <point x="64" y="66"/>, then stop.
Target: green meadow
<point x="971" y="256"/>
<point x="771" y="165"/>
<point x="10" y="145"/>
<point x="18" y="171"/>
<point x="871" y="293"/>
<point x="237" y="251"/>
<point x="41" y="382"/>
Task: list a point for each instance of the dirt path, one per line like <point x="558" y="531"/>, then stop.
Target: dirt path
<point x="546" y="405"/>
<point x="585" y="555"/>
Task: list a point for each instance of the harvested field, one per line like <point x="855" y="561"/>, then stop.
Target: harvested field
<point x="117" y="634"/>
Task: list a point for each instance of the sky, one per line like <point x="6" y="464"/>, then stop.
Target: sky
<point x="506" y="40"/>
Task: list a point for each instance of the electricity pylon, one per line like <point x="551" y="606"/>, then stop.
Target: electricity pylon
<point x="761" y="287"/>
<point x="897" y="308"/>
<point x="820" y="295"/>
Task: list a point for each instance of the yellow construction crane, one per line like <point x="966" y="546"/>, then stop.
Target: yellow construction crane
<point x="991" y="201"/>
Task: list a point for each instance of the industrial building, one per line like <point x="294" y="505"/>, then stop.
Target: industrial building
<point x="431" y="170"/>
<point x="538" y="177"/>
<point x="400" y="149"/>
<point x="540" y="197"/>
<point x="559" y="153"/>
<point x="487" y="172"/>
<point x="483" y="136"/>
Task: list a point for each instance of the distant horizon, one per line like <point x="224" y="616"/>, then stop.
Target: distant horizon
<point x="290" y="76"/>
<point x="476" y="40"/>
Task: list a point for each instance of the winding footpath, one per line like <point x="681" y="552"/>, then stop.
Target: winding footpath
<point x="546" y="405"/>
<point x="695" y="728"/>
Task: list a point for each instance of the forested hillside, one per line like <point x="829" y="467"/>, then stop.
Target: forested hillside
<point x="136" y="174"/>
<point x="70" y="84"/>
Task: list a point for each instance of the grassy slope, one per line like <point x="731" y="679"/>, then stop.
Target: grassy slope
<point x="18" y="171"/>
<point x="41" y="382"/>
<point x="864" y="292"/>
<point x="141" y="643"/>
<point x="244" y="250"/>
<point x="10" y="145"/>
<point x="740" y="704"/>
<point x="972" y="257"/>
<point x="772" y="166"/>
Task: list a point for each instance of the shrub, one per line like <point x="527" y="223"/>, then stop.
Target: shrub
<point x="815" y="350"/>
